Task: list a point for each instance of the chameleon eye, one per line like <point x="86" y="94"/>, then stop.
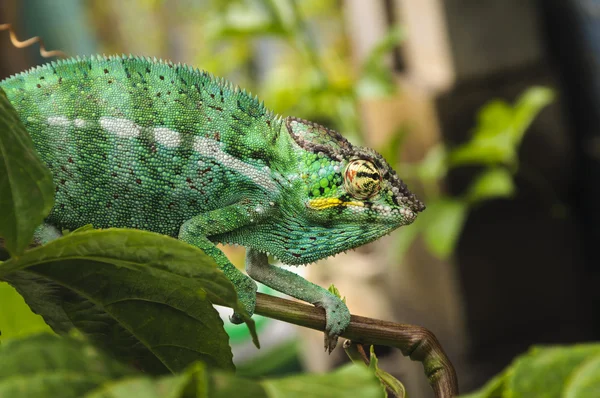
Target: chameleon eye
<point x="362" y="179"/>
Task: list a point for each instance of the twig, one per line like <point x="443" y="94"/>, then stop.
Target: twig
<point x="26" y="43"/>
<point x="415" y="342"/>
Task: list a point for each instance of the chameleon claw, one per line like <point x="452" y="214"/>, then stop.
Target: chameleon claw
<point x="330" y="342"/>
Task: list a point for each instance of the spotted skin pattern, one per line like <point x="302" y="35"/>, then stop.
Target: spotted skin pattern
<point x="146" y="144"/>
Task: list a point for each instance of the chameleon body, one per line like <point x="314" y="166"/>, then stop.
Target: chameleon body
<point x="147" y="144"/>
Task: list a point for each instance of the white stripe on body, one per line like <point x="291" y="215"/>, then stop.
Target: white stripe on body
<point x="120" y="127"/>
<point x="124" y="128"/>
<point x="167" y="137"/>
<point x="58" y="121"/>
<point x="212" y="149"/>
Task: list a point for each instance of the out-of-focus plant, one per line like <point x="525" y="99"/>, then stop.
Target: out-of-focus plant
<point x="51" y="366"/>
<point x="549" y="372"/>
<point x="493" y="147"/>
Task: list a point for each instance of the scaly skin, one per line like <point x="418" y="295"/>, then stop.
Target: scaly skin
<point x="145" y="144"/>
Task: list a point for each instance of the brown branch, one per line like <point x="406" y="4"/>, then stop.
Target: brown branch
<point x="415" y="342"/>
<point x="26" y="43"/>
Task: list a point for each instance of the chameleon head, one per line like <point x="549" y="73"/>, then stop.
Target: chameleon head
<point x="350" y="195"/>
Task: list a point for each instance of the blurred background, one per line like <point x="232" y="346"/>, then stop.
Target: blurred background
<point x="489" y="110"/>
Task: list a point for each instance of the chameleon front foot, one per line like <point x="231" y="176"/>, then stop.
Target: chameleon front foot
<point x="337" y="318"/>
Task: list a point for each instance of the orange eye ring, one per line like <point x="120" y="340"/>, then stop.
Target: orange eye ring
<point x="362" y="179"/>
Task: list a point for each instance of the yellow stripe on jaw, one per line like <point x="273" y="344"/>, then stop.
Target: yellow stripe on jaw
<point x="325" y="203"/>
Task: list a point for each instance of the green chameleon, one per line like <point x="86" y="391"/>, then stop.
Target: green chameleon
<point x="140" y="143"/>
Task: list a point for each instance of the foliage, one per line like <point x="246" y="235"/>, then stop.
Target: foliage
<point x="493" y="147"/>
<point x="389" y="384"/>
<point x="559" y="371"/>
<point x="50" y="366"/>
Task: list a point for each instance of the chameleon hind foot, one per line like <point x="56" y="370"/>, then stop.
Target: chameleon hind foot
<point x="337" y="318"/>
<point x="246" y="290"/>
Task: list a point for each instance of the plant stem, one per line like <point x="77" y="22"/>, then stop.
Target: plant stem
<point x="415" y="342"/>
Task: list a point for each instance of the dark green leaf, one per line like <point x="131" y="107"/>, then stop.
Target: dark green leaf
<point x="49" y="366"/>
<point x="26" y="189"/>
<point x="154" y="286"/>
<point x="65" y="311"/>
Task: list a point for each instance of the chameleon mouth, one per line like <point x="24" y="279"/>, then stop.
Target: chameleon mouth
<point x="325" y="203"/>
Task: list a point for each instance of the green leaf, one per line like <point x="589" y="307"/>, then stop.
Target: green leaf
<point x="442" y="224"/>
<point x="336" y="292"/>
<point x="156" y="287"/>
<point x="66" y="311"/>
<point x="16" y="318"/>
<point x="348" y="381"/>
<point x="527" y="107"/>
<point x="192" y="383"/>
<point x="547" y="370"/>
<point x="388" y="382"/>
<point x="352" y="380"/>
<point x="500" y="130"/>
<point x="492" y="183"/>
<point x="26" y="189"/>
<point x="492" y="389"/>
<point x="50" y="366"/>
<point x="585" y="380"/>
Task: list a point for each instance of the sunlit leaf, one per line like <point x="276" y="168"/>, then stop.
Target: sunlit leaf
<point x="443" y="221"/>
<point x="500" y="129"/>
<point x="492" y="183"/>
<point x="16" y="318"/>
<point x="585" y="380"/>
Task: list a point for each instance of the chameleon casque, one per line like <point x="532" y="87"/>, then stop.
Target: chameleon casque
<point x="140" y="143"/>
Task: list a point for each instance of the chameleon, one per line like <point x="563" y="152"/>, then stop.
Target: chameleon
<point x="142" y="143"/>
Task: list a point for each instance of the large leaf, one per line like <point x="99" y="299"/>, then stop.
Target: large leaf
<point x="26" y="189"/>
<point x="65" y="311"/>
<point x="549" y="372"/>
<point x="191" y="383"/>
<point x="157" y="288"/>
<point x="49" y="366"/>
<point x="348" y="381"/>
